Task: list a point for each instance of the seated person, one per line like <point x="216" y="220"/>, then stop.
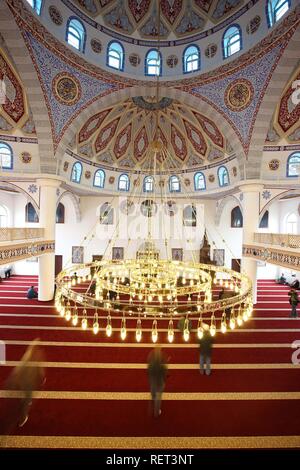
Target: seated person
<point x="281" y="280"/>
<point x="7" y="271"/>
<point x="32" y="294"/>
<point x="295" y="284"/>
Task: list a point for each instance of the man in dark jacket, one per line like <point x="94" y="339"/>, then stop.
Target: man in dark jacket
<point x="206" y="345"/>
<point x="157" y="372"/>
<point x="293" y="302"/>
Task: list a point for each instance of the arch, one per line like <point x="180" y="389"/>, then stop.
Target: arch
<point x="99" y="179"/>
<point x="148" y="184"/>
<point x="236" y="217"/>
<point x="147" y="90"/>
<point x="36" y="5"/>
<point x="264" y="220"/>
<point x="115" y="55"/>
<point x="174" y="184"/>
<point x="123" y="182"/>
<point x="232" y="40"/>
<point x="75" y="201"/>
<point x="189" y="218"/>
<point x="6" y="156"/>
<point x="76" y="33"/>
<point x="199" y="181"/>
<point x="107" y="214"/>
<point x="23" y="64"/>
<point x="223" y="203"/>
<point x="275" y="10"/>
<point x="291" y="223"/>
<point x="286" y="192"/>
<point x="293" y="165"/>
<point x="191" y="59"/>
<point x="153" y="63"/>
<point x="76" y="172"/>
<point x="31" y="215"/>
<point x="223" y="176"/>
<point x="60" y="213"/>
<point x="285" y="68"/>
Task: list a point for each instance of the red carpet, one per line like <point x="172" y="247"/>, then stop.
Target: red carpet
<point x="253" y="391"/>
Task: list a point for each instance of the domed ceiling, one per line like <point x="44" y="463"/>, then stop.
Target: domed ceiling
<point x="178" y="17"/>
<point x="121" y="135"/>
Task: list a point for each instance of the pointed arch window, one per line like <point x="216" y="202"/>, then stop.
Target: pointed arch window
<point x="106" y="214"/>
<point x="236" y="217"/>
<point x="115" y="55"/>
<point x="223" y="176"/>
<point x="76" y="172"/>
<point x="60" y="213"/>
<point x="76" y="34"/>
<point x="199" y="181"/>
<point x="123" y="183"/>
<point x="293" y="165"/>
<point x="174" y="184"/>
<point x="31" y="214"/>
<point x="291" y="223"/>
<point x="191" y="59"/>
<point x="276" y="9"/>
<point x="190" y="216"/>
<point x="148" y="185"/>
<point x="264" y="222"/>
<point x="153" y="63"/>
<point x="232" y="41"/>
<point x="99" y="179"/>
<point x="6" y="157"/>
<point x="36" y="5"/>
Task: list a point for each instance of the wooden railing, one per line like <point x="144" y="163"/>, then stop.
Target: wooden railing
<point x="12" y="253"/>
<point x="289" y="259"/>
<point x="279" y="239"/>
<point x="20" y="233"/>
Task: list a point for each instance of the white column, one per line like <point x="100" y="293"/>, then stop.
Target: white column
<point x="48" y="199"/>
<point x="250" y="205"/>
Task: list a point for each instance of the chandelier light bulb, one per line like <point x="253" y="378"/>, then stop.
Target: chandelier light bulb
<point x="73" y="282"/>
<point x="223" y="327"/>
<point x="95" y="327"/>
<point x="245" y="315"/>
<point x="138" y="333"/>
<point x="170" y="331"/>
<point x="154" y="331"/>
<point x="108" y="330"/>
<point x="226" y="284"/>
<point x="200" y="332"/>
<point x="239" y="320"/>
<point x="232" y="323"/>
<point x="75" y="320"/>
<point x="123" y="333"/>
<point x="68" y="314"/>
<point x="62" y="311"/>
<point x="186" y="334"/>
<point x="212" y="330"/>
<point x="84" y="324"/>
<point x="221" y="282"/>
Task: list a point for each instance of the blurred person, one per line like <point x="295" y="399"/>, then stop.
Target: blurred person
<point x="157" y="373"/>
<point x="26" y="377"/>
<point x="282" y="279"/>
<point x="32" y="293"/>
<point x="294" y="300"/>
<point x="206" y="345"/>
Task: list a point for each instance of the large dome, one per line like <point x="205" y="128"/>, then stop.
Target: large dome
<point x="179" y="18"/>
<point x="122" y="134"/>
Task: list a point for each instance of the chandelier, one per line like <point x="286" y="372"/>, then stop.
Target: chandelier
<point x="163" y="291"/>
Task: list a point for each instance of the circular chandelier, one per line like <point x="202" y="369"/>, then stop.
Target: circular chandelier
<point x="149" y="288"/>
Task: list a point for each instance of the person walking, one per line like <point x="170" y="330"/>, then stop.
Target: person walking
<point x="157" y="372"/>
<point x="294" y="300"/>
<point x="206" y="345"/>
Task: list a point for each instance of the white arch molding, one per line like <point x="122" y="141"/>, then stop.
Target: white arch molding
<point x="25" y="194"/>
<point x="223" y="203"/>
<point x="16" y="46"/>
<point x="281" y="75"/>
<point x="169" y="92"/>
<point x="75" y="201"/>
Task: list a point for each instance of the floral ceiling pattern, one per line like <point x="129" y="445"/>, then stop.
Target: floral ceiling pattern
<point x="122" y="134"/>
<point x="177" y="17"/>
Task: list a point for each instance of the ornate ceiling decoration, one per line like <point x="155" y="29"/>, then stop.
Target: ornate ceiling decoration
<point x="121" y="134"/>
<point x="178" y="17"/>
<point x="14" y="111"/>
<point x="285" y="123"/>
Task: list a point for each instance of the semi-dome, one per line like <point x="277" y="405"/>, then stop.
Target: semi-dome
<point x="122" y="134"/>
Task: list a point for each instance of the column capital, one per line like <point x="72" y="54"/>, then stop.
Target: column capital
<point x="251" y="187"/>
<point x="52" y="181"/>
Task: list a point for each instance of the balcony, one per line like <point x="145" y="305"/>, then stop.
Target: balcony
<point x="275" y="248"/>
<point x="29" y="242"/>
